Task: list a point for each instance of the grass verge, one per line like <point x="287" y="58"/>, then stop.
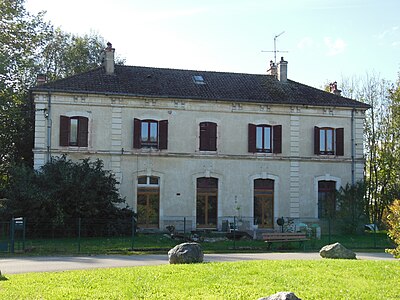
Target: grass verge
<point x="322" y="279"/>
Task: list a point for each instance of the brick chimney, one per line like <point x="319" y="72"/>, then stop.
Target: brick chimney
<point x="108" y="59"/>
<point x="333" y="88"/>
<point x="282" y="70"/>
<point x="272" y="69"/>
<point x="41" y="79"/>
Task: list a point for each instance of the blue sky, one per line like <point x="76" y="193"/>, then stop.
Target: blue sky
<point x="326" y="40"/>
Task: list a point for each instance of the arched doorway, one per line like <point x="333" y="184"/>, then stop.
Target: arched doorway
<point x="207" y="202"/>
<point x="148" y="202"/>
<point x="264" y="203"/>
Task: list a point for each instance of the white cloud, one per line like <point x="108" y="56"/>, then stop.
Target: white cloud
<point x="335" y="47"/>
<point x="305" y="43"/>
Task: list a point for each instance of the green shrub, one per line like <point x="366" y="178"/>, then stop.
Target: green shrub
<point x="393" y="220"/>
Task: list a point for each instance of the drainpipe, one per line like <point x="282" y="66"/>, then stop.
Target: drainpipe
<point x="49" y="123"/>
<point x="353" y="148"/>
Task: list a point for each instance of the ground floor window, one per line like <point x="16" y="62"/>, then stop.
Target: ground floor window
<point x="264" y="203"/>
<point x="207" y="202"/>
<point x="326" y="198"/>
<point x="148" y="202"/>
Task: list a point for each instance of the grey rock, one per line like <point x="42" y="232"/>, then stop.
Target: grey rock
<point x="281" y="296"/>
<point x="186" y="253"/>
<point x="336" y="250"/>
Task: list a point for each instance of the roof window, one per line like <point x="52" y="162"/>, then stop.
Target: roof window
<point x="198" y="79"/>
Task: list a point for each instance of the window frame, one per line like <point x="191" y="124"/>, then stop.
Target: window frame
<point x="337" y="143"/>
<point x="275" y="138"/>
<point x="208" y="136"/>
<point x="81" y="138"/>
<point x="161" y="141"/>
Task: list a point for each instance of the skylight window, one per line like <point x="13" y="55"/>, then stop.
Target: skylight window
<point x="198" y="79"/>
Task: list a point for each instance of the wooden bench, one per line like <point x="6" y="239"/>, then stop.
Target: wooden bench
<point x="285" y="237"/>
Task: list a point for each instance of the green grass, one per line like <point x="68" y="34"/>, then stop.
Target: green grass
<point x="158" y="243"/>
<point x="320" y="279"/>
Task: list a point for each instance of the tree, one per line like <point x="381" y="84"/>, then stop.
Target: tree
<point x="63" y="190"/>
<point x="393" y="220"/>
<point x="380" y="140"/>
<point x="28" y="46"/>
<point x="21" y="35"/>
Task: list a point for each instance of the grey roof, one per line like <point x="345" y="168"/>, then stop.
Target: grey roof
<point x="180" y="84"/>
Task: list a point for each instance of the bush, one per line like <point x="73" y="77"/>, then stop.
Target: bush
<point x="393" y="220"/>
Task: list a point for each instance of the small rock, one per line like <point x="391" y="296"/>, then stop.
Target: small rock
<point x="186" y="253"/>
<point x="281" y="296"/>
<point x="336" y="250"/>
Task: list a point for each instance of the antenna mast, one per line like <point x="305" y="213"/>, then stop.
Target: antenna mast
<point x="275" y="51"/>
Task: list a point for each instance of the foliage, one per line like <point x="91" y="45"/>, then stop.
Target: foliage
<point x="381" y="142"/>
<point x="28" y="46"/>
<point x="308" y="279"/>
<point x="393" y="220"/>
<point x="351" y="202"/>
<point x="62" y="190"/>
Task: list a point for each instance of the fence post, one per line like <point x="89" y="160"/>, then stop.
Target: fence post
<point x="12" y="236"/>
<point x="133" y="232"/>
<point x="184" y="226"/>
<point x="79" y="235"/>
<point x="234" y="232"/>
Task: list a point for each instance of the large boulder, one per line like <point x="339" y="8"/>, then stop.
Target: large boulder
<point x="281" y="296"/>
<point x="336" y="250"/>
<point x="186" y="253"/>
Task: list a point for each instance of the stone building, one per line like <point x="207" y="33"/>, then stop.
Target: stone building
<point x="206" y="146"/>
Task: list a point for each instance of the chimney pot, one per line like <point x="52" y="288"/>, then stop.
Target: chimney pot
<point x="108" y="59"/>
<point x="41" y="79"/>
<point x="282" y="70"/>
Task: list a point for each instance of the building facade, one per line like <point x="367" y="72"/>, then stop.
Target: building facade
<point x="206" y="146"/>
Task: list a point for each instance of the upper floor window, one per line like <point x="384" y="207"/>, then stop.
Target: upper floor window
<point x="265" y="138"/>
<point x="208" y="136"/>
<point x="74" y="131"/>
<point x="328" y="141"/>
<point x="150" y="134"/>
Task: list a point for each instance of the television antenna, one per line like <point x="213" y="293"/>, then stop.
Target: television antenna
<point x="275" y="51"/>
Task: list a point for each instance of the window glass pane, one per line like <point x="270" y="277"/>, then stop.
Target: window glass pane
<point x="154" y="180"/>
<point x="267" y="138"/>
<point x="329" y="140"/>
<point x="322" y="140"/>
<point x="145" y="132"/>
<point x="73" y="137"/>
<point x="153" y="132"/>
<point x="259" y="137"/>
<point x="142" y="180"/>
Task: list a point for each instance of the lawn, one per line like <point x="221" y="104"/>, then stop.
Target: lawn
<point x="317" y="279"/>
<point x="159" y="243"/>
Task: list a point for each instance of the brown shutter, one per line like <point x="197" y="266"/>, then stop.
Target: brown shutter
<point x="64" y="131"/>
<point x="163" y="134"/>
<point x="316" y="140"/>
<point x="277" y="139"/>
<point x="204" y="138"/>
<point x="83" y="131"/>
<point x="137" y="130"/>
<point x="339" y="141"/>
<point x="252" y="138"/>
<point x="212" y="134"/>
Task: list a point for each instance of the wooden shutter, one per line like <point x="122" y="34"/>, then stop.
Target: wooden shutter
<point x="137" y="131"/>
<point x="316" y="141"/>
<point x="163" y="134"/>
<point x="212" y="135"/>
<point x="83" y="131"/>
<point x="252" y="138"/>
<point x="277" y="139"/>
<point x="339" y="141"/>
<point x="64" y="130"/>
<point x="204" y="138"/>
